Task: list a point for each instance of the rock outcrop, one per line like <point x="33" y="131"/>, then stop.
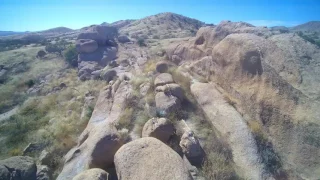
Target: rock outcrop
<point x="160" y="128"/>
<point x="163" y="79"/>
<point x="149" y="158"/>
<point x="191" y="148"/>
<point x="92" y="174"/>
<point x="231" y="126"/>
<point x="161" y="67"/>
<point x="166" y="104"/>
<point x="100" y="140"/>
<point x="95" y="46"/>
<point x="18" y="168"/>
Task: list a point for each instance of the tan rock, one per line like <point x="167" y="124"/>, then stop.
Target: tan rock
<point x="162" y="79"/>
<point x="166" y="104"/>
<point x="149" y="159"/>
<point x="86" y="45"/>
<point x="159" y="128"/>
<point x="161" y="67"/>
<point x="92" y="174"/>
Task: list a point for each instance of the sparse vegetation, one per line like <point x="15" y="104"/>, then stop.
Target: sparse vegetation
<point x="141" y="42"/>
<point x="312" y="38"/>
<point x="71" y="56"/>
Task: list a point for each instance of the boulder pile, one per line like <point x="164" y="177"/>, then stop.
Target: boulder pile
<point x="96" y="47"/>
<point x="168" y="95"/>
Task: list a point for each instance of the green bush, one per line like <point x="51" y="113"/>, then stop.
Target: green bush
<point x="71" y="56"/>
<point x="310" y="38"/>
<point x="29" y="83"/>
<point x="141" y="42"/>
<point x="54" y="48"/>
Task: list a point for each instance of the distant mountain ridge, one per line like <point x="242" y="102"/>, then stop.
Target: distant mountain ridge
<point x="163" y="25"/>
<point x="57" y="30"/>
<point x="8" y="33"/>
<point x="309" y="26"/>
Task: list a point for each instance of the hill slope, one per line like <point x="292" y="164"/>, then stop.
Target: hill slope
<point x="163" y="26"/>
<point x="57" y="30"/>
<point x="8" y="33"/>
<point x="309" y="26"/>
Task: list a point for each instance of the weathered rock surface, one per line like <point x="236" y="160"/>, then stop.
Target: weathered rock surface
<point x="96" y="149"/>
<point x="108" y="75"/>
<point x="99" y="33"/>
<point x="86" y="45"/>
<point x="166" y="104"/>
<point x="85" y="68"/>
<point x="44" y="173"/>
<point x="44" y="158"/>
<point x="163" y="79"/>
<point x="174" y="90"/>
<point x="97" y="46"/>
<point x="149" y="158"/>
<point x="191" y="148"/>
<point x="232" y="127"/>
<point x="18" y="168"/>
<point x="92" y="174"/>
<point x="160" y="128"/>
<point x="100" y="140"/>
<point x="161" y="67"/>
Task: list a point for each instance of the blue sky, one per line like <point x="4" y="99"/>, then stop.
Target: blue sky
<point x="33" y="15"/>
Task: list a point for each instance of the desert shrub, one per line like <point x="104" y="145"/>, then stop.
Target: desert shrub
<point x="269" y="157"/>
<point x="41" y="54"/>
<point x="155" y="37"/>
<point x="312" y="134"/>
<point x="31" y="117"/>
<point x="125" y="118"/>
<point x="29" y="83"/>
<point x="15" y="152"/>
<point x="182" y="80"/>
<point x="141" y="42"/>
<point x="71" y="56"/>
<point x="150" y="66"/>
<point x="309" y="37"/>
<point x="218" y="162"/>
<point x="54" y="48"/>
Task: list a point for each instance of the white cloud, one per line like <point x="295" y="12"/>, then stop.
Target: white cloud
<point x="270" y="23"/>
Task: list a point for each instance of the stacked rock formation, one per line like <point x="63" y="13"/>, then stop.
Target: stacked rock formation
<point x="96" y="47"/>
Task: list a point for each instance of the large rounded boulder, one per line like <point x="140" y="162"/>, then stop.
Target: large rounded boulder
<point x="162" y="67"/>
<point x="160" y="128"/>
<point x="18" y="168"/>
<point x="149" y="159"/>
<point x="163" y="79"/>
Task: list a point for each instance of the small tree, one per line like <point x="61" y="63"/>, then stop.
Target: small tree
<point x="41" y="54"/>
<point x="141" y="42"/>
<point x="71" y="56"/>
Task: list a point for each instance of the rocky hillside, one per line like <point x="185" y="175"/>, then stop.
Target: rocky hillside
<point x="162" y="26"/>
<point x="164" y="97"/>
<point x="57" y="30"/>
<point x="309" y="26"/>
